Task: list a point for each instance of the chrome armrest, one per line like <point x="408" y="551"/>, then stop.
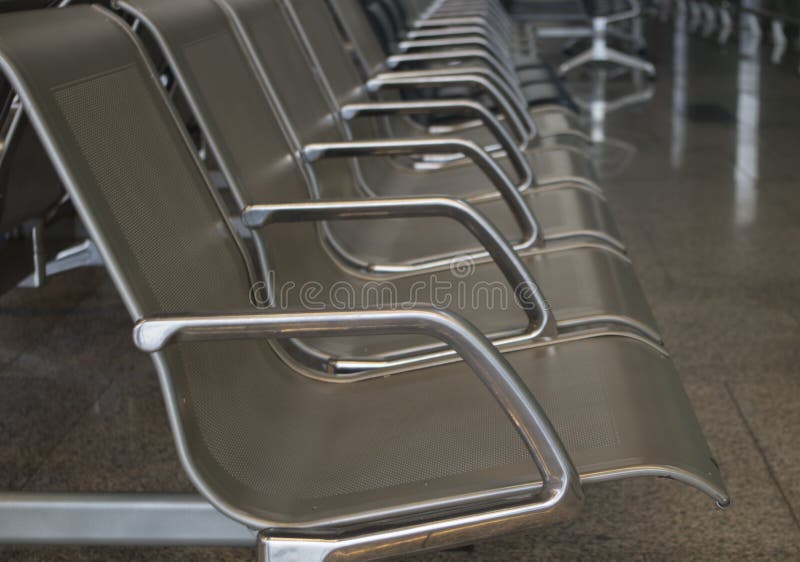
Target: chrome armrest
<point x="523" y="214"/>
<point x="518" y="160"/>
<point x="438" y="43"/>
<point x="560" y="496"/>
<point x="451" y="22"/>
<point x="492" y="62"/>
<point x="446" y="32"/>
<point x="519" y="278"/>
<point x="441" y="78"/>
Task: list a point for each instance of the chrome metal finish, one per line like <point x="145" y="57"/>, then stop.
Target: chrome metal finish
<point x="115" y="519"/>
<point x="515" y="156"/>
<point x="601" y="52"/>
<point x="399" y="79"/>
<point x="393" y="61"/>
<point x="525" y="289"/>
<point x="511" y="94"/>
<point x="360" y="370"/>
<point x="523" y="214"/>
<point x="37" y="278"/>
<point x="560" y="496"/>
<point x="83" y="254"/>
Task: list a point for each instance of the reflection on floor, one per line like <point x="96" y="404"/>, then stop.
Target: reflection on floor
<point x="710" y="208"/>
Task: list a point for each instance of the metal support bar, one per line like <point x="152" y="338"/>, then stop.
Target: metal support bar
<point x="518" y="160"/>
<point x="521" y="282"/>
<point x="559" y="498"/>
<point x="115" y="518"/>
<point x="528" y="224"/>
<point x="442" y="79"/>
<point x="84" y="254"/>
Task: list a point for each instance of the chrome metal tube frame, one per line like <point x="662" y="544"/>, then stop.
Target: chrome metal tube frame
<point x="521" y="165"/>
<point x="508" y="86"/>
<point x="558" y="499"/>
<point x="467" y="41"/>
<point x="519" y="278"/>
<point x="529" y="226"/>
<point x="452" y="22"/>
<point x="512" y="94"/>
<point x="495" y="18"/>
<point x="493" y="63"/>
<point x="465" y="30"/>
<point x="437" y="79"/>
<point x="116" y="518"/>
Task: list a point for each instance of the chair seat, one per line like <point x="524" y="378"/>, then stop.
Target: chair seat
<point x="560" y="212"/>
<point x="553" y="132"/>
<point x="283" y="447"/>
<point x="550" y="165"/>
<point x="577" y="283"/>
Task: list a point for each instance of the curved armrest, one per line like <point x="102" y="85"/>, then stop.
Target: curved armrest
<point x="509" y="104"/>
<point x="519" y="278"/>
<point x="508" y="191"/>
<point x="438" y="43"/>
<point x="456" y="31"/>
<point x="501" y="71"/>
<point x="434" y="21"/>
<point x="560" y="496"/>
<point x="519" y="162"/>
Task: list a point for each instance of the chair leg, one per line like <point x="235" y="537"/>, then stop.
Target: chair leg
<point x="726" y="25"/>
<point x="636" y="63"/>
<point x="84" y="254"/>
<point x="576" y="61"/>
<point x="779" y="41"/>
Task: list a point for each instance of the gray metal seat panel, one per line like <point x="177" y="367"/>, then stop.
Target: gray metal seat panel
<point x="334" y="176"/>
<point x="559" y="212"/>
<point x="550" y="135"/>
<point x="550" y="122"/>
<point x="286" y="448"/>
<point x="257" y="438"/>
<point x="550" y="165"/>
<point x="577" y="283"/>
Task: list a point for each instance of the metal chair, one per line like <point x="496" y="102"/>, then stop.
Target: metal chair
<point x="304" y="463"/>
<point x="374" y="249"/>
<point x="347" y="96"/>
<point x="535" y="81"/>
<point x="547" y="125"/>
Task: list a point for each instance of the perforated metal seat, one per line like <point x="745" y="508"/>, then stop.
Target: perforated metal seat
<point x="585" y="285"/>
<point x="271" y="447"/>
<point x="555" y="125"/>
<point x="545" y="98"/>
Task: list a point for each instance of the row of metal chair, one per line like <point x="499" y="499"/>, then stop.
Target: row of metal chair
<point x="386" y="301"/>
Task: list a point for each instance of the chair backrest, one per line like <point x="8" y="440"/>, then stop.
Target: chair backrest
<point x="113" y="137"/>
<point x="353" y="19"/>
<point x="299" y="90"/>
<point x="250" y="141"/>
<point x="140" y="190"/>
<point x="339" y="67"/>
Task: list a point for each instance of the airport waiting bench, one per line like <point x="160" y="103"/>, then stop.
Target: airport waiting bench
<point x="336" y="460"/>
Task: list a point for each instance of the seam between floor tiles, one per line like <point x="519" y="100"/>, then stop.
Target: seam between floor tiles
<point x="772" y="474"/>
<point x="5" y="366"/>
<point x="47" y="456"/>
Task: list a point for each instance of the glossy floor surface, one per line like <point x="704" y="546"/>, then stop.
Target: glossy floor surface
<point x="704" y="180"/>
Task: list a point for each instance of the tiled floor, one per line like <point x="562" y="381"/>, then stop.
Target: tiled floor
<point x="711" y="213"/>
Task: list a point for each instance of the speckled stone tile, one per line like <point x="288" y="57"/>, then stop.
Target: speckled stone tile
<point x="122" y="443"/>
<point x="771" y="406"/>
<point x="27" y="315"/>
